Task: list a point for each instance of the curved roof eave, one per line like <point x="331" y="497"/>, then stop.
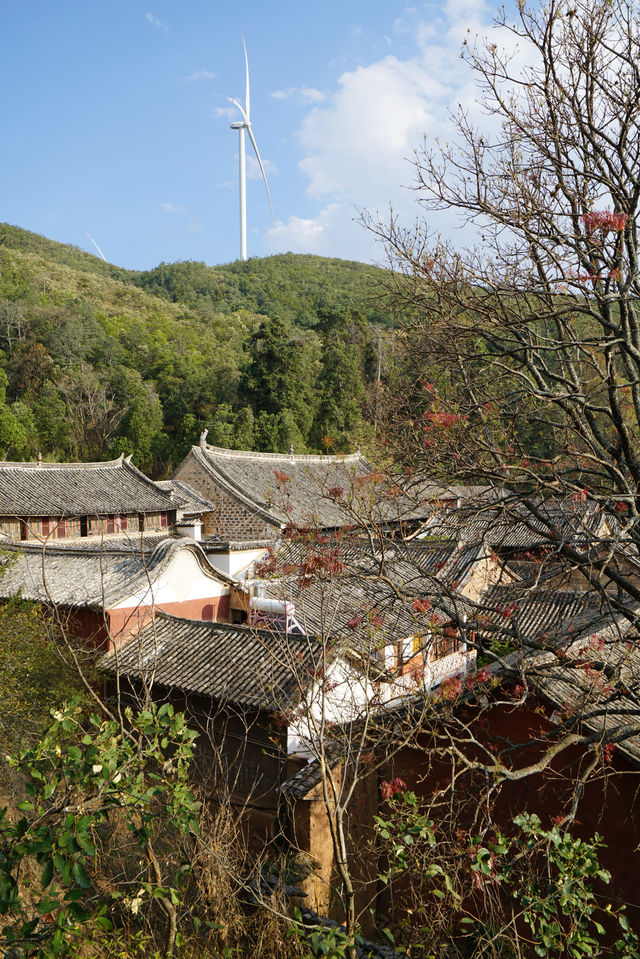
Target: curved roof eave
<point x="233" y="490"/>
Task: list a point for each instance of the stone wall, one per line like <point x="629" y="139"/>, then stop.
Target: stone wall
<point x="231" y="519"/>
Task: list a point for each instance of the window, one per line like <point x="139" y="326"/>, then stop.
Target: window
<point x="73" y="526"/>
<point x="422" y="644"/>
<point x="46" y="527"/>
<point x="445" y="643"/>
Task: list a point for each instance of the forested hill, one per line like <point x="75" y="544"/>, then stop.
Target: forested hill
<point x="96" y="360"/>
<point x="294" y="285"/>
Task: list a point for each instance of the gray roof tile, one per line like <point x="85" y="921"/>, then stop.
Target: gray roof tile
<point x="366" y="599"/>
<point x="548" y="616"/>
<point x="260" y="669"/>
<point x="511" y="525"/>
<point x="303" y="498"/>
<point x="600" y="683"/>
<point x="89" y="574"/>
<point x="78" y="489"/>
<point x="185" y="498"/>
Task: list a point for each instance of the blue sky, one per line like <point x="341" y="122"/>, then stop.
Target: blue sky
<point x="116" y="121"/>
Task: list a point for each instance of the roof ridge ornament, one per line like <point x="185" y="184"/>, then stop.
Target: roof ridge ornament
<point x="203" y="438"/>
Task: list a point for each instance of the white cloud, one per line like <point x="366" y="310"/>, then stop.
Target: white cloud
<point x="300" y="94"/>
<point x="360" y="141"/>
<point x="359" y="144"/>
<point x="405" y="23"/>
<point x="201" y="75"/>
<point x="176" y="208"/>
<point x="304" y="235"/>
<point x="253" y="167"/>
<point x="226" y="113"/>
<point x="157" y="23"/>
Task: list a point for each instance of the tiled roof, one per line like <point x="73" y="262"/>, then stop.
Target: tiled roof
<point x="215" y="544"/>
<point x="303" y="780"/>
<point x="513" y="525"/>
<point x="251" y="477"/>
<point x="595" y="683"/>
<point x="368" y="599"/>
<point x="188" y="501"/>
<point x="537" y="572"/>
<point x="600" y="683"/>
<point x="547" y="616"/>
<point x="78" y="489"/>
<point x="427" y="491"/>
<point x="445" y="562"/>
<point x="90" y="574"/>
<point x="260" y="669"/>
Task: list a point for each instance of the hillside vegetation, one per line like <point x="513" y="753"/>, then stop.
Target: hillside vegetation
<point x="96" y="360"/>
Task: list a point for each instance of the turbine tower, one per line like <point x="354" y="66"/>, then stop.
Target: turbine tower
<point x="241" y="126"/>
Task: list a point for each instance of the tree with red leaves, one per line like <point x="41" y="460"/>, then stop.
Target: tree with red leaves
<point x="534" y="332"/>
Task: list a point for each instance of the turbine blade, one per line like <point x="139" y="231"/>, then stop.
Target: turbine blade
<point x="92" y="240"/>
<point x="259" y="159"/>
<point x="247" y="99"/>
<point x="240" y="108"/>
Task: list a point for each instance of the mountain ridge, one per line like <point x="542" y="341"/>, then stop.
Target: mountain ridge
<point x="97" y="359"/>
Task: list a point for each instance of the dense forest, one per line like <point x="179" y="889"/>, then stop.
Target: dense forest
<point x="267" y="354"/>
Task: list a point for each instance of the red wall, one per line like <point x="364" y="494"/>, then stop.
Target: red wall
<point x="610" y="804"/>
<point x="86" y="625"/>
<point x="122" y="622"/>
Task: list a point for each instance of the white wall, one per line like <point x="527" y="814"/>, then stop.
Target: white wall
<point x="344" y="695"/>
<point x="235" y="562"/>
<point x="181" y="580"/>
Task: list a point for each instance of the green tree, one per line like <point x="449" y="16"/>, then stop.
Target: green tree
<point x="13" y="435"/>
<point x="86" y="781"/>
<point x="279" y="433"/>
<point x="33" y="673"/>
<point x="281" y="376"/>
<point x="244" y="429"/>
<point x="485" y="890"/>
<point x="346" y="360"/>
<point x="221" y="427"/>
<point x="92" y="411"/>
<point x="53" y="427"/>
<point x="141" y="428"/>
<point x="31" y="368"/>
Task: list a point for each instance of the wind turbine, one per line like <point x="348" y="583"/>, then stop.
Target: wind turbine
<point x="96" y="246"/>
<point x="241" y="126"/>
